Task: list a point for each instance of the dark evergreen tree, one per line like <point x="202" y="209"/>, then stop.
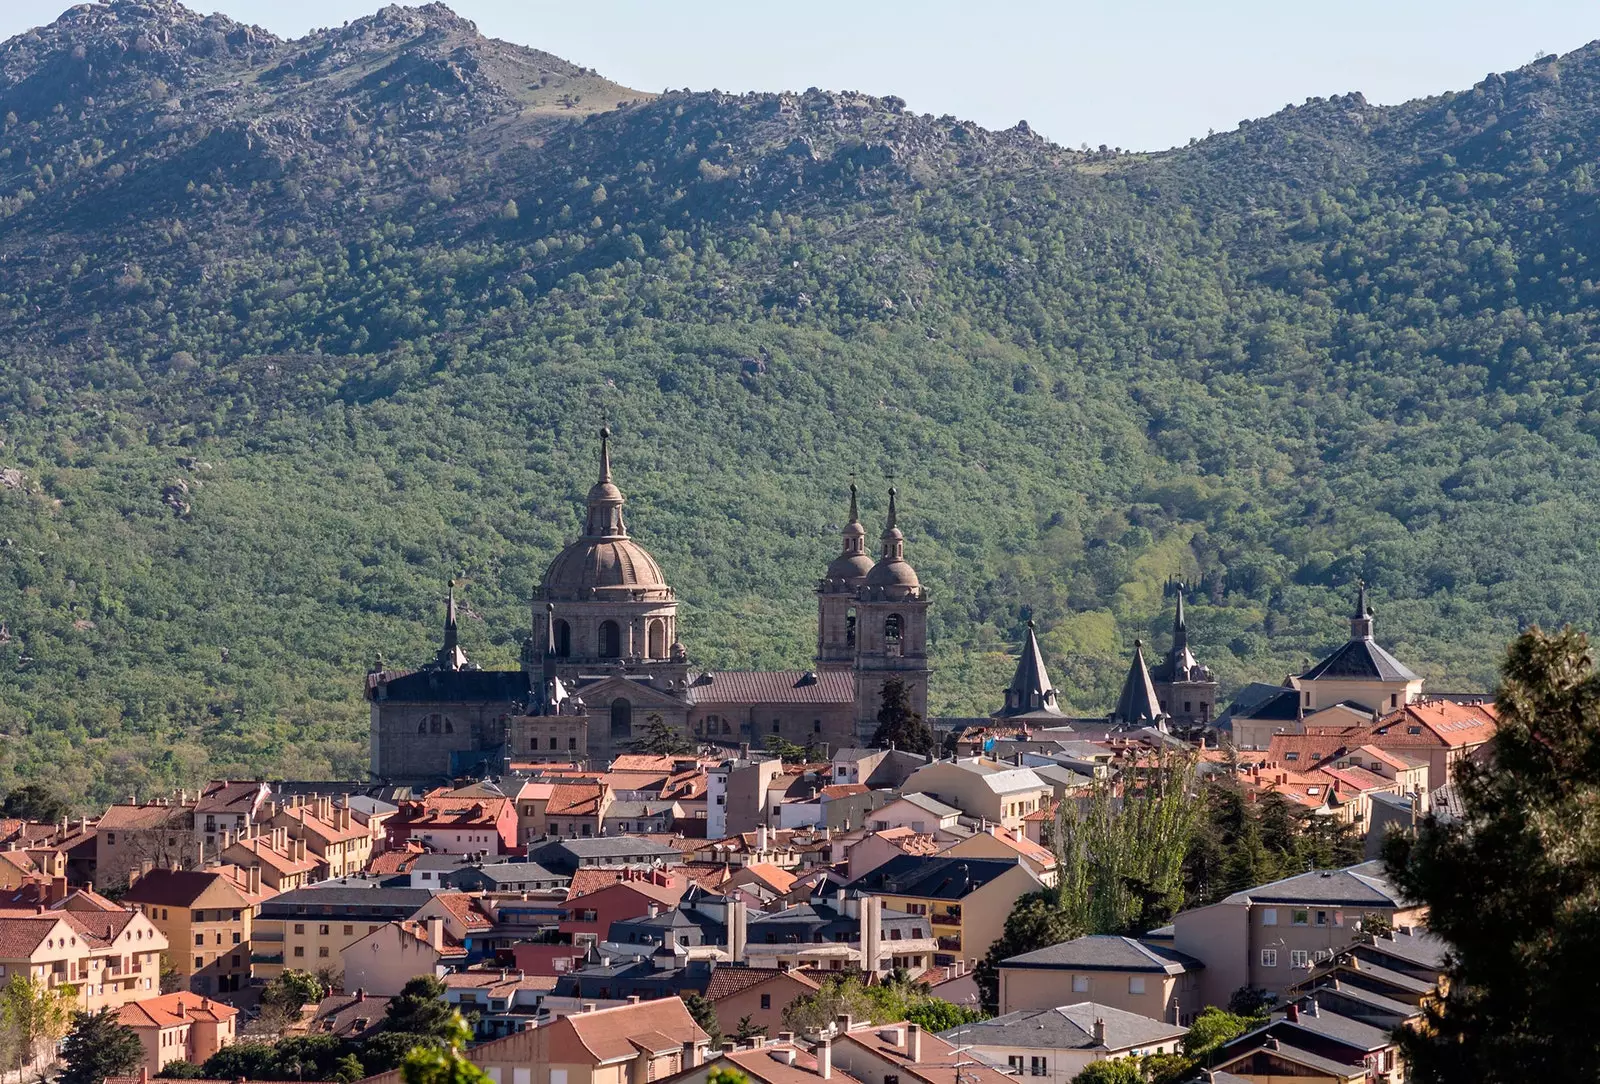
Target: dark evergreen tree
<point x="420" y="1009"/>
<point x="659" y="739"/>
<point x="99" y="1046"/>
<point x="899" y="725"/>
<point x="1512" y="884"/>
<point x="35" y="802"/>
<point x="705" y="1014"/>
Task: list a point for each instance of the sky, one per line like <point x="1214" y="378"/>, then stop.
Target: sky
<point x="1137" y="74"/>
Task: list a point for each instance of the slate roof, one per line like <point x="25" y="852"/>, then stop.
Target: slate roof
<point x="773" y="687"/>
<point x="1360" y="658"/>
<point x="454" y="686"/>
<point x="1138" y="702"/>
<point x="1337" y="1069"/>
<point x="1418" y="948"/>
<point x="932" y="805"/>
<point x="1030" y="693"/>
<point x="1356" y="886"/>
<point x="1066" y="1027"/>
<point x="1107" y="952"/>
<point x="934" y="878"/>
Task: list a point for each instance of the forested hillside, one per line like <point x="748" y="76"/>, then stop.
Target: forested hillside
<point x="295" y="330"/>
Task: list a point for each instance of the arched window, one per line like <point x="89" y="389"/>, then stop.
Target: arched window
<point x="658" y="639"/>
<point x="621" y="718"/>
<point x="563" y="639"/>
<point x="891" y="628"/>
<point x="610" y="640"/>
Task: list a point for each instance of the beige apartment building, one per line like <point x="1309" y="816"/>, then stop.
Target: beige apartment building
<point x="110" y="957"/>
<point x="982" y="788"/>
<point x="206" y="919"/>
<point x="1151" y="980"/>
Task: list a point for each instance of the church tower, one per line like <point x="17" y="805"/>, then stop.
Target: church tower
<point x="891" y="630"/>
<point x="1187" y="690"/>
<point x="836" y="596"/>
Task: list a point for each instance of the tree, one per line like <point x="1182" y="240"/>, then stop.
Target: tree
<point x="747" y="1030"/>
<point x="170" y="980"/>
<point x="182" y="1069"/>
<point x="936" y="1014"/>
<point x="899" y="725"/>
<point x="99" y="1046"/>
<point x="1511" y="885"/>
<point x="659" y="739"/>
<point x="290" y="992"/>
<point x="704" y="1014"/>
<point x="726" y="1074"/>
<point x="348" y="1069"/>
<point x="1111" y="1071"/>
<point x="444" y="1063"/>
<point x="420" y="1009"/>
<point x="33" y="1018"/>
<point x="1211" y="1029"/>
<point x="387" y="1050"/>
<point x="243" y="1061"/>
<point x="36" y="802"/>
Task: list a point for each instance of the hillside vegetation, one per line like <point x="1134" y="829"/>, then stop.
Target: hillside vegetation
<point x="295" y="330"/>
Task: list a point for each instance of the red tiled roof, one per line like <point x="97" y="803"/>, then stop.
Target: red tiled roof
<point x="575" y="800"/>
<point x="465" y="908"/>
<point x="727" y="981"/>
<point x="462" y="811"/>
<point x="774" y="687"/>
<point x="608" y="1034"/>
<point x="181" y="888"/>
<point x="391" y="862"/>
<point x="844" y="790"/>
<point x="173" y="1010"/>
<point x="778" y="880"/>
<point x="1357" y="779"/>
<point x="229" y="796"/>
<point x="1440" y="722"/>
<point x="127" y="817"/>
<point x="591" y="879"/>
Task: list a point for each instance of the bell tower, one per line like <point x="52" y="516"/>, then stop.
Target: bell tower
<point x="891" y="630"/>
<point x="836" y="595"/>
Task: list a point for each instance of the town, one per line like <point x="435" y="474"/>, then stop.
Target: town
<point x="616" y="867"/>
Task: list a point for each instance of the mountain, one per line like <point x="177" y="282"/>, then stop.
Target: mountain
<point x="297" y="330"/>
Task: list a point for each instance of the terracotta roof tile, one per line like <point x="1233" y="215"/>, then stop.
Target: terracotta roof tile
<point x="575" y="800"/>
<point x="727" y="981"/>
<point x="172" y="1010"/>
<point x="466" y="910"/>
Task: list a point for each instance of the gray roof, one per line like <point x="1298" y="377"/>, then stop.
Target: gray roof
<point x="1106" y="952"/>
<point x="346" y="895"/>
<point x="370" y="807"/>
<point x="515" y="872"/>
<point x="1061" y="775"/>
<point x="1330" y="1025"/>
<point x="1360" y="658"/>
<point x="1138" y="702"/>
<point x="932" y="877"/>
<point x="1030" y="693"/>
<point x="1357" y="886"/>
<point x="932" y="805"/>
<point x="1066" y="1027"/>
<point x="1415" y="946"/>
<point x="1337" y="1069"/>
<point x="606" y="846"/>
<point x="1389" y="977"/>
<point x="1385" y="1005"/>
<point x="620" y="810"/>
<point x="852" y="752"/>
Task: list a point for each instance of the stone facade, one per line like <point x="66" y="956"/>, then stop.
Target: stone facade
<point x="605" y="665"/>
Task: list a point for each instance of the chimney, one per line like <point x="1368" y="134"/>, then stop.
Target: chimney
<point x="361" y="993"/>
<point x="738" y="930"/>
<point x="1272" y="1042"/>
<point x="691" y="1054"/>
<point x="436" y="932"/>
<point x="844" y="1022"/>
<point x="1293" y="1012"/>
<point x="299" y="850"/>
<point x="914" y="1042"/>
<point x="824" y="1054"/>
<point x="144" y="1074"/>
<point x="253" y="883"/>
<point x="1099" y="1032"/>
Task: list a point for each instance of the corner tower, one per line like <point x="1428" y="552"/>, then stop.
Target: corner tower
<point x="891" y="630"/>
<point x="836" y="595"/>
<point x="1186" y="690"/>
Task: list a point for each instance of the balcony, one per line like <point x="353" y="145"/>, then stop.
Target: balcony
<point x="950" y="943"/>
<point x="266" y="957"/>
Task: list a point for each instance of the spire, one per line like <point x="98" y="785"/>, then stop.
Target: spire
<point x="1138" y="705"/>
<point x="890" y="525"/>
<point x="1361" y="620"/>
<point x="1180" y="661"/>
<point x="855" y="511"/>
<point x="451" y="657"/>
<point x="605" y="499"/>
<point x="549" y="630"/>
<point x="1180" y="627"/>
<point x="894" y="540"/>
<point x="1030" y="691"/>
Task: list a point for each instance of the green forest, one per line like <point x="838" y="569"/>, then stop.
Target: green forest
<point x="295" y="331"/>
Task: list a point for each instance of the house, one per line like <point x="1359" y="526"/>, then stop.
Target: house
<point x="1407" y="770"/>
<point x="880" y="769"/>
<point x="577" y="810"/>
<point x="453" y="823"/>
<point x="966" y="900"/>
<point x="505" y="877"/>
<point x="876" y="848"/>
<point x="589" y="915"/>
<point x="624" y="1044"/>
<point x="1439" y="731"/>
<point x="1359" y="672"/>
<point x="1150" y="980"/>
<point x="499" y="1002"/>
<point x="567" y="856"/>
<point x="338" y="846"/>
<point x="649" y="816"/>
<point x="1007" y="844"/>
<point x="465" y="920"/>
<point x="284" y="863"/>
<point x="736" y="793"/>
<point x="206" y="918"/>
<point x="134" y="836"/>
<point x="1057" y="1044"/>
<point x="182" y="1026"/>
<point x="227" y="808"/>
<point x="351" y="1017"/>
<point x="1268" y="937"/>
<point x="832" y="933"/>
<point x="900" y="1053"/>
<point x="308" y="928"/>
<point x="776" y="1060"/>
<point x="759" y="993"/>
<point x="922" y="813"/>
<point x="982" y="788"/>
<point x="532" y="800"/>
<point x="110" y="955"/>
<point x="383" y="961"/>
<point x="1307" y="1041"/>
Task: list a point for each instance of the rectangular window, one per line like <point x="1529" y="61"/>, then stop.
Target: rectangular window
<point x="323" y="930"/>
<point x="199" y="962"/>
<point x="1015" y="1062"/>
<point x="299" y="950"/>
<point x="1135" y="984"/>
<point x="299" y="927"/>
<point x="1269" y="916"/>
<point x="1322" y="918"/>
<point x="522" y="1076"/>
<point x="199" y="939"/>
<point x="1080" y="984"/>
<point x="1299" y="918"/>
<point x="348" y="930"/>
<point x="766" y="1001"/>
<point x="322" y="953"/>
<point x="1269" y="957"/>
<point x="558" y="1076"/>
<point x="1037" y="1066"/>
<point x="1299" y="958"/>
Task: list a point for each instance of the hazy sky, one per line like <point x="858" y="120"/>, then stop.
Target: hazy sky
<point x="1142" y="74"/>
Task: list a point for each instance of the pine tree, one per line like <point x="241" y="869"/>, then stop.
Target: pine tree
<point x="659" y="739"/>
<point x="1512" y="886"/>
<point x="705" y="1014"/>
<point x="899" y="725"/>
<point x="99" y="1046"/>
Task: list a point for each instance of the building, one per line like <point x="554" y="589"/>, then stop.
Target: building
<point x="383" y="961"/>
<point x="455" y="824"/>
<point x="736" y="793"/>
<point x="137" y="836"/>
<point x="206" y="918"/>
<point x="980" y="788"/>
<point x="841" y="932"/>
<point x="1150" y="980"/>
<point x="624" y="1044"/>
<point x="1057" y="1044"/>
<point x="759" y="993"/>
<point x="922" y="813"/>
<point x="182" y="1026"/>
<point x="764" y="1060"/>
<point x="966" y="900"/>
<point x="605" y="663"/>
<point x="903" y="1052"/>
<point x="227" y="809"/>
<point x="567" y="856"/>
<point x="308" y="929"/>
<point x="1269" y="937"/>
<point x="338" y="846"/>
<point x="284" y="863"/>
<point x="110" y="955"/>
<point x="1006" y="844"/>
<point x="589" y="915"/>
